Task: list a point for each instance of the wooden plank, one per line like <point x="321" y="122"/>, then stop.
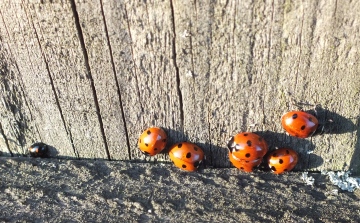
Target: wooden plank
<point x="94" y="30"/>
<point x="16" y="128"/>
<point x="193" y="50"/>
<point x="141" y="37"/>
<point x="202" y="70"/>
<point x="34" y="115"/>
<point x="319" y="66"/>
<point x="56" y="31"/>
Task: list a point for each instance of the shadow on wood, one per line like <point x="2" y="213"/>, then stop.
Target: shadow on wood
<point x="332" y="123"/>
<point x="304" y="147"/>
<point x="354" y="163"/>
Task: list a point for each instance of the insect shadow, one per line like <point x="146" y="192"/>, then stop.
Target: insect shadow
<point x="355" y="163"/>
<point x="304" y="148"/>
<point x="332" y="123"/>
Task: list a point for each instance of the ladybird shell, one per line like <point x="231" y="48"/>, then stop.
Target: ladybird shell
<point x="39" y="150"/>
<point x="247" y="146"/>
<point x="299" y="123"/>
<point x="282" y="160"/>
<point x="152" y="141"/>
<point x="186" y="156"/>
<point x="244" y="165"/>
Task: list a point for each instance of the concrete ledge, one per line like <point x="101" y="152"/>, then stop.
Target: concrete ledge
<point x="52" y="190"/>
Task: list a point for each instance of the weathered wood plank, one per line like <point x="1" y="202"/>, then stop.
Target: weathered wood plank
<point x="34" y="113"/>
<point x="141" y="37"/>
<point x="319" y="66"/>
<point x="94" y="30"/>
<point x="202" y="70"/>
<point x="57" y="34"/>
<point x="14" y="125"/>
<point x="193" y="48"/>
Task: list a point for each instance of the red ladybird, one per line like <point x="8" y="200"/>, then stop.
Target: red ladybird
<point x="152" y="141"/>
<point x="282" y="160"/>
<point x="247" y="146"/>
<point x="244" y="165"/>
<point x="299" y="123"/>
<point x="187" y="156"/>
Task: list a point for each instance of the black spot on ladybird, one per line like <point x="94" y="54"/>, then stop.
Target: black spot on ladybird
<point x="155" y="149"/>
<point x="273" y="168"/>
<point x="146" y="144"/>
<point x="287" y="151"/>
<point x="247" y="155"/>
<point x="294" y="116"/>
<point x="248" y="143"/>
<point x="179" y="145"/>
<point x="148" y="132"/>
<point x="188" y="155"/>
<point x="195" y="148"/>
<point x="285" y="169"/>
<point x="164" y="140"/>
<point x="247" y="161"/>
<point x="245" y="134"/>
<point x="303" y="127"/>
<point x="183" y="166"/>
<point x="281" y="161"/>
<point x="242" y="168"/>
<point x="274" y="155"/>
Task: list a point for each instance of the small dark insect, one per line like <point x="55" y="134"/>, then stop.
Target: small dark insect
<point x="39" y="149"/>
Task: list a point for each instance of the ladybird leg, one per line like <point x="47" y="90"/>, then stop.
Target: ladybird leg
<point x="319" y="131"/>
<point x="316" y="108"/>
<point x="324" y="127"/>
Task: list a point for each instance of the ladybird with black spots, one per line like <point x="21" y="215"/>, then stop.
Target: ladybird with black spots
<point x="247" y="146"/>
<point x="244" y="165"/>
<point x="186" y="156"/>
<point x="152" y="141"/>
<point x="282" y="160"/>
<point x="299" y="124"/>
<point x="39" y="150"/>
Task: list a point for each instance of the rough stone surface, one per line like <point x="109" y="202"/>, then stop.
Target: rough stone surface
<point x="42" y="190"/>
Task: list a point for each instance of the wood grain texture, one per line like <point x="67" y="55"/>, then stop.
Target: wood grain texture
<point x="203" y="70"/>
<point x="141" y="37"/>
<point x="31" y="114"/>
<point x="101" y="65"/>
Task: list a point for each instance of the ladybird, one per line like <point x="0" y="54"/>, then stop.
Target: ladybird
<point x="282" y="160"/>
<point x="247" y="146"/>
<point x="244" y="165"/>
<point x="39" y="150"/>
<point x="152" y="141"/>
<point x="299" y="123"/>
<point x="187" y="156"/>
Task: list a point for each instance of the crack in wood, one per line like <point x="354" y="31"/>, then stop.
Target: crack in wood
<point x="5" y="139"/>
<point x="116" y="80"/>
<point x="89" y="75"/>
<point x="133" y="59"/>
<point x="68" y="132"/>
<point x="177" y="68"/>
